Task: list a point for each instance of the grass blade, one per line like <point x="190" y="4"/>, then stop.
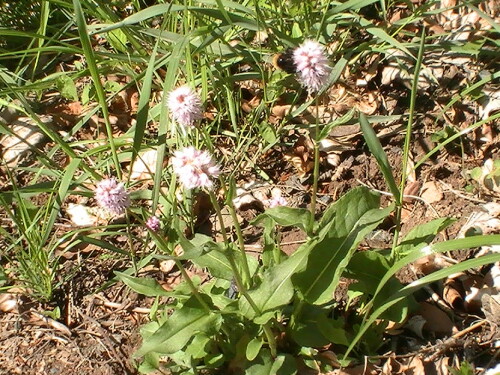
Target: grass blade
<point x="94" y="72"/>
<point x="378" y="152"/>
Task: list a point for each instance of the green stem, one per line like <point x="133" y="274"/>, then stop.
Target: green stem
<point x="241" y="242"/>
<point x="406" y="147"/>
<point x="237" y="278"/>
<point x="191" y="285"/>
<point x="316" y="162"/>
<point x="162" y="244"/>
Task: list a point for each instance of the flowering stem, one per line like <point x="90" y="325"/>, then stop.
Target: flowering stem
<point x="191" y="285"/>
<point x="239" y="234"/>
<point x="130" y="241"/>
<point x="161" y="243"/>
<point x="237" y="278"/>
<point x="316" y="161"/>
<point x="246" y="270"/>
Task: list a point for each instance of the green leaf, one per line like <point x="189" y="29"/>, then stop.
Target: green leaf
<point x="253" y="348"/>
<point x="369" y="267"/>
<point x="198" y="347"/>
<point x="422" y="235"/>
<point x="382" y="35"/>
<point x="267" y="365"/>
<point x="306" y="331"/>
<point x="276" y="288"/>
<point x="327" y="128"/>
<point x="333" y="330"/>
<point x="365" y="199"/>
<point x="378" y="152"/>
<point x="288" y="216"/>
<point x="180" y="327"/>
<point x="143" y="285"/>
<point x="330" y="255"/>
<point x="67" y="87"/>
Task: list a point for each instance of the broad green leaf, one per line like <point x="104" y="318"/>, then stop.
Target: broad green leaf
<point x="288" y="216"/>
<point x="368" y="268"/>
<point x="378" y="152"/>
<point x="328" y="259"/>
<point x="422" y="235"/>
<point x="198" y="347"/>
<point x="143" y="285"/>
<point x="333" y="330"/>
<point x="337" y="213"/>
<point x="306" y="331"/>
<point x="267" y="365"/>
<point x="276" y="288"/>
<point x="179" y="328"/>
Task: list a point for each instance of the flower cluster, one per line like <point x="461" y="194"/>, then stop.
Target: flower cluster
<point x="276" y="199"/>
<point x="112" y="196"/>
<point x="312" y="66"/>
<point x="185" y="106"/>
<point x="153" y="223"/>
<point x="194" y="167"/>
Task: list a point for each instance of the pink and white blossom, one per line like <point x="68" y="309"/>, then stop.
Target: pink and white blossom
<point x="194" y="168"/>
<point x="312" y="65"/>
<point x="112" y="196"/>
<point x="276" y="199"/>
<point x="184" y="105"/>
<point x="153" y="223"/>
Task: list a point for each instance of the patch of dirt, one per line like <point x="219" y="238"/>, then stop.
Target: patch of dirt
<point x="97" y="334"/>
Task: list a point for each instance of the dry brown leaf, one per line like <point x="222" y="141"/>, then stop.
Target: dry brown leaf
<point x="8" y="302"/>
<point x="27" y="135"/>
<point x="43" y="320"/>
<point x="437" y="321"/>
<point x="431" y="192"/>
<point x="481" y="221"/>
<point x="442" y="366"/>
<point x="368" y="369"/>
<point x="144" y="166"/>
<point x="81" y="215"/>
<point x="430" y="263"/>
<point x="391" y="366"/>
<point x="411" y="188"/>
<point x="452" y="294"/>
<point x="368" y="104"/>
<point x="415" y="367"/>
<point x="491" y="308"/>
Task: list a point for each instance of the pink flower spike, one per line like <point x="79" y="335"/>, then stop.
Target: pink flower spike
<point x="276" y="202"/>
<point x="194" y="168"/>
<point x="112" y="196"/>
<point x="312" y="65"/>
<point x="276" y="199"/>
<point x="184" y="105"/>
<point x="153" y="224"/>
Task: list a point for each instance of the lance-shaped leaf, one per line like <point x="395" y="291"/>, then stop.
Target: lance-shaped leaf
<point x="143" y="285"/>
<point x="328" y="259"/>
<point x="180" y="327"/>
<point x="288" y="216"/>
<point x="276" y="288"/>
